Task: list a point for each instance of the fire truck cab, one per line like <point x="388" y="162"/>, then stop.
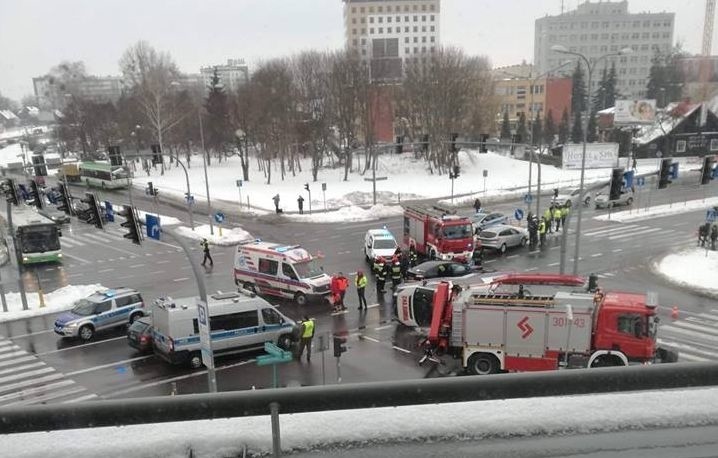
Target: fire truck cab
<point x="438" y="233"/>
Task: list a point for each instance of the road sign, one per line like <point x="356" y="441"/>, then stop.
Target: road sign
<point x="711" y="216"/>
<point x="239" y="183"/>
<point x="324" y="186"/>
<point x="528" y="198"/>
<point x="189" y="198"/>
<point x="205" y="343"/>
<point x="486" y="173"/>
<point x="153" y="226"/>
<point x="640" y="181"/>
<point x="659" y="154"/>
<point x="109" y="212"/>
<point x="519" y="214"/>
<point x="274" y="355"/>
<point x="219" y="217"/>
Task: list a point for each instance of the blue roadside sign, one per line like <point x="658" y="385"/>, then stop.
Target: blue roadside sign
<point x="274" y="355"/>
<point x="219" y="217"/>
<point x="109" y="212"/>
<point x="711" y="216"/>
<point x="153" y="226"/>
<point x="519" y="214"/>
<point x="640" y="181"/>
<point x="528" y="198"/>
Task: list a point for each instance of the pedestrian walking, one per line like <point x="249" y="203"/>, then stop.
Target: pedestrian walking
<point x="548" y="217"/>
<point x="305" y="340"/>
<point x="300" y="204"/>
<point x="703" y="234"/>
<point x="360" y="282"/>
<point x="276" y="203"/>
<point x="557" y="217"/>
<point x="207" y="257"/>
<point x="477" y="205"/>
<point x="714" y="236"/>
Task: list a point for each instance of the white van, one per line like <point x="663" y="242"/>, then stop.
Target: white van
<point x="238" y="322"/>
<point x="287" y="271"/>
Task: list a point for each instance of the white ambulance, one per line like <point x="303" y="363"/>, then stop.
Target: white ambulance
<point x="287" y="271"/>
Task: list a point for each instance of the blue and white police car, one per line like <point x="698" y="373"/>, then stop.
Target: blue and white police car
<point x="102" y="310"/>
<point x="379" y="242"/>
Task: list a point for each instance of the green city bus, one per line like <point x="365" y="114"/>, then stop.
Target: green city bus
<point x="38" y="237"/>
<point x="103" y="175"/>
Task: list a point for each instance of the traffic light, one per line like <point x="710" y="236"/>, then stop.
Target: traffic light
<point x="663" y="174"/>
<point x="306" y="187"/>
<point x="36" y="196"/>
<point x="555" y="193"/>
<point x="65" y="203"/>
<point x="156" y="154"/>
<point x="113" y="152"/>
<point x="11" y="192"/>
<point x="616" y="184"/>
<point x="399" y="147"/>
<point x="455" y="172"/>
<point x="707" y="172"/>
<point x="452" y="145"/>
<point x="94" y="212"/>
<point x="38" y="162"/>
<point x="484" y="138"/>
<point x="425" y="143"/>
<point x="339" y="345"/>
<point x="131" y="223"/>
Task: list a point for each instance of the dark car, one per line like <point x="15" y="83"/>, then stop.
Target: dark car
<point x="139" y="334"/>
<point x="56" y="216"/>
<point x="440" y="269"/>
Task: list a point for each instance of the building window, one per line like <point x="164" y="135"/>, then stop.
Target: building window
<point x="681" y="146"/>
<point x="423" y="7"/>
<point x="635" y="36"/>
<point x="416" y="50"/>
<point x="354" y="9"/>
<point x="416" y="18"/>
<point x="433" y="49"/>
<point x="646" y="23"/>
<point x="406" y="50"/>
<point x="416" y="39"/>
<point x="354" y="31"/>
<point x="363" y="41"/>
<point x="398" y="19"/>
<point x="605" y="25"/>
<point x="594" y="25"/>
<point x="423" y="28"/>
<point x="361" y="9"/>
<point x="432" y="28"/>
<point x="431" y="18"/>
<point x="666" y="35"/>
<point x="433" y="39"/>
<point x="416" y="28"/>
<point x="406" y="29"/>
<point x="388" y="9"/>
<point x="354" y="20"/>
<point x="381" y="29"/>
<point x="431" y="7"/>
<point x="381" y="19"/>
<point x="363" y="20"/>
<point x="363" y="31"/>
<point x="371" y="20"/>
<point x="667" y="24"/>
<point x="423" y="18"/>
<point x="423" y="49"/>
<point x="355" y="41"/>
<point x="415" y="8"/>
<point x="406" y="39"/>
<point x="380" y="9"/>
<point x="388" y="19"/>
<point x="423" y="39"/>
<point x="371" y="9"/>
<point x="363" y="52"/>
<point x="406" y="8"/>
<point x="406" y="18"/>
<point x="614" y="48"/>
<point x="371" y="30"/>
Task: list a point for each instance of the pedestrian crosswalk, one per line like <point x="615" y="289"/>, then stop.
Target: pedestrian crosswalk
<point x="77" y="239"/>
<point x="695" y="336"/>
<point x="25" y="379"/>
<point x="641" y="234"/>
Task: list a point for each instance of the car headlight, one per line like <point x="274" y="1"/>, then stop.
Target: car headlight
<point x="70" y="325"/>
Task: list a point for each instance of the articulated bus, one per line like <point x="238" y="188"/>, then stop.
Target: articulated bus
<point x="103" y="175"/>
<point x="38" y="237"/>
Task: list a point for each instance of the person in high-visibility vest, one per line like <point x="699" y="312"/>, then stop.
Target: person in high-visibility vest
<point x="557" y="217"/>
<point x="542" y="231"/>
<point x="395" y="272"/>
<point x="564" y="214"/>
<point x="360" y="282"/>
<point x="548" y="217"/>
<point x="305" y="340"/>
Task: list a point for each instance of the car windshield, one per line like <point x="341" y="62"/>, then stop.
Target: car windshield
<point x="487" y="234"/>
<point x="457" y="232"/>
<point x="384" y="244"/>
<point x="308" y="269"/>
<point x="84" y="307"/>
<point x="119" y="174"/>
<point x="38" y="239"/>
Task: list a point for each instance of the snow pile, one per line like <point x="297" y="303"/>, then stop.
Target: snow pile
<point x="631" y="215"/>
<point x="351" y="213"/>
<point x="57" y="301"/>
<point x="10" y="154"/>
<point x="693" y="268"/>
<point x="229" y="236"/>
<point x="512" y="418"/>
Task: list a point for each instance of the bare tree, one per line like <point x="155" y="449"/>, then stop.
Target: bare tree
<point x="152" y="74"/>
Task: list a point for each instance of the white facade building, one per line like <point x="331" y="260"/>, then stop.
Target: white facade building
<point x="232" y="75"/>
<point x="388" y="33"/>
<point x="598" y="28"/>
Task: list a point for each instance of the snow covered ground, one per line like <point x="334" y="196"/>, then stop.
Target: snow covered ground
<point x="55" y="301"/>
<point x="511" y="418"/>
<point x="230" y="236"/>
<point x="631" y="215"/>
<point x="694" y="268"/>
<point x="350" y="213"/>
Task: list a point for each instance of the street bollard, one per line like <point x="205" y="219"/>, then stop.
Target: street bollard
<point x="276" y="440"/>
<point x="173" y="390"/>
<point x="41" y="296"/>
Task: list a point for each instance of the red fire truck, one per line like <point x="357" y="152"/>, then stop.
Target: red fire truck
<point x="532" y="322"/>
<point x="438" y="233"/>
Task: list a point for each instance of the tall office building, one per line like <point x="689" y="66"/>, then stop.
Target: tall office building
<point x="388" y="33"/>
<point x="598" y="28"/>
<point x="232" y="75"/>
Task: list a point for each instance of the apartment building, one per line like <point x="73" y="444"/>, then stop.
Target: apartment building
<point x="388" y="33"/>
<point x="595" y="29"/>
<point x="97" y="89"/>
<point x="232" y="75"/>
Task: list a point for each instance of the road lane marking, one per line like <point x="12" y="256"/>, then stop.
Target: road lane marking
<point x="34" y="333"/>
<point x="531" y="269"/>
<point x="34" y="381"/>
<point x="76" y="275"/>
<point x="9" y="348"/>
<point x="177" y="280"/>
<point x="341" y="312"/>
<point x="10" y="355"/>
<point x="76" y="258"/>
<point x="369" y="338"/>
<point x="628" y="227"/>
<point x="371" y="306"/>
<point x="81" y="398"/>
<point x="401" y="349"/>
<point x="312" y="240"/>
<point x="595" y="255"/>
<point x="617" y="250"/>
<point x="105" y="270"/>
<point x="512" y="256"/>
<point x="163" y="262"/>
<point x="105" y="366"/>
<point x="47" y="397"/>
<point x="166" y="244"/>
<point x="18" y="360"/>
<point x="553" y="264"/>
<point x="22" y="368"/>
<point x="635" y="234"/>
<point x="384" y="327"/>
<point x="137" y="265"/>
<point x="27" y="374"/>
<point x="40" y="389"/>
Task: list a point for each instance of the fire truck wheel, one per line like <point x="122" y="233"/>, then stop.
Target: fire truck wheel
<point x="483" y="364"/>
<point x="300" y="298"/>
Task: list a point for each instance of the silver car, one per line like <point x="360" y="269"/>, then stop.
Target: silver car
<point x="502" y="237"/>
<point x="603" y="201"/>
<point x="571" y="196"/>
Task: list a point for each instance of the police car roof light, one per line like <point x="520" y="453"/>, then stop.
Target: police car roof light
<point x="109" y="293"/>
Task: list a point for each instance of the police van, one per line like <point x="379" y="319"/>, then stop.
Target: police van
<point x="379" y="242"/>
<point x="239" y="322"/>
<point x="287" y="271"/>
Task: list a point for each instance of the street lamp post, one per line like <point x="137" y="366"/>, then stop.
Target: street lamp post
<point x="589" y="105"/>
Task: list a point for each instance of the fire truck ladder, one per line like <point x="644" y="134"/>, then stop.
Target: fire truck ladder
<point x="513" y="300"/>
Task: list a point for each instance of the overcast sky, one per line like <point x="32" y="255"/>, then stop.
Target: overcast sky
<point x="38" y="34"/>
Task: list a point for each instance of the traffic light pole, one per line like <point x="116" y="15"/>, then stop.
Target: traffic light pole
<point x="18" y="256"/>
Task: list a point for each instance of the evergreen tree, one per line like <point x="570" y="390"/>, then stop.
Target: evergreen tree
<point x="577" y="129"/>
<point x="217" y="130"/>
<point x="610" y="89"/>
<point x="656" y="80"/>
<point x="578" y="91"/>
<point x="549" y="131"/>
<point x="599" y="97"/>
<point x="521" y="128"/>
<point x="563" y="127"/>
<point x="537" y="130"/>
<point x="506" y="127"/>
<point x="592" y="135"/>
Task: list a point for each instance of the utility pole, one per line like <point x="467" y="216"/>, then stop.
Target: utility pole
<point x="206" y="181"/>
<point x="374" y="178"/>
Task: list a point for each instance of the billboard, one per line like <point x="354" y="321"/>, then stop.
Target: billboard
<point x="635" y="112"/>
<point x="598" y="155"/>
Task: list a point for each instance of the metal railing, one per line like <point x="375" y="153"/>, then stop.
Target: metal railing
<point x="354" y="396"/>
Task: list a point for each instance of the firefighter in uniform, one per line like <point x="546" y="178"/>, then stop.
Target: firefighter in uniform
<point x="395" y="272"/>
<point x="413" y="257"/>
<point x="380" y="275"/>
<point x="378" y="265"/>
